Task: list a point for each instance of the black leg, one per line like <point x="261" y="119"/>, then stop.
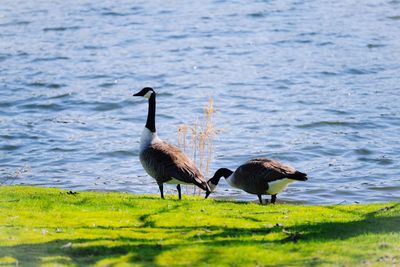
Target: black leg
<point x="260" y="199"/>
<point x="161" y="190"/>
<point x="179" y="191"/>
<point x="273" y="199"/>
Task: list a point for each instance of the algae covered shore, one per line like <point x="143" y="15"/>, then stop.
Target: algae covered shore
<point x="52" y="227"/>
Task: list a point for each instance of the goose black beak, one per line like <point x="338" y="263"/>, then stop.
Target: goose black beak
<point x="207" y="194"/>
<point x="138" y="94"/>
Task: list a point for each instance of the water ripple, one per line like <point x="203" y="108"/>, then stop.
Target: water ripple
<point x="36" y="107"/>
<point x="15" y="23"/>
<point x="61" y="28"/>
<point x="394" y="17"/>
<point x="289" y="81"/>
<point x="334" y="124"/>
<point x="56" y="58"/>
<point x="44" y="84"/>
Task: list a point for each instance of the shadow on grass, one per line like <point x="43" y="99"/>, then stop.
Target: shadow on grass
<point x="84" y="251"/>
<point x="372" y="223"/>
<point x="213" y="239"/>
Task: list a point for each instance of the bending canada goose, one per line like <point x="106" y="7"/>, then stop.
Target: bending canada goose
<point x="261" y="176"/>
<point x="164" y="162"/>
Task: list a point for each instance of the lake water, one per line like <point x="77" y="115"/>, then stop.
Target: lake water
<point x="314" y="84"/>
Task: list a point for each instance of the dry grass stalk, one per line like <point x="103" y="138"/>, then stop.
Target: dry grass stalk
<point x="200" y="140"/>
<point x="182" y="133"/>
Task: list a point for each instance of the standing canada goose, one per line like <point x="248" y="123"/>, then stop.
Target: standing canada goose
<point x="164" y="162"/>
<point x="261" y="176"/>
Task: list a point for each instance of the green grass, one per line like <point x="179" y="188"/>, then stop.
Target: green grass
<point x="48" y="227"/>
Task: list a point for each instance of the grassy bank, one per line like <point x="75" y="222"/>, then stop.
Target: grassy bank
<point x="51" y="227"/>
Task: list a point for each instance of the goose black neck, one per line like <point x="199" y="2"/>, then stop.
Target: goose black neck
<point x="151" y="115"/>
<point x="223" y="172"/>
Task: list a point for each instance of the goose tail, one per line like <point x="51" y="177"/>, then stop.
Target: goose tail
<point x="298" y="176"/>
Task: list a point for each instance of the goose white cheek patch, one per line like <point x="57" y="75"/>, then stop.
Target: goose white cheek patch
<point x="212" y="186"/>
<point x="148" y="94"/>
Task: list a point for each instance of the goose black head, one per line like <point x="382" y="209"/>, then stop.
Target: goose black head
<point x="146" y="92"/>
<point x="213" y="182"/>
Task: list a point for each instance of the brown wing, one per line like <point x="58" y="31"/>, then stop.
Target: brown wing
<point x="275" y="166"/>
<point x="254" y="175"/>
<point x="165" y="161"/>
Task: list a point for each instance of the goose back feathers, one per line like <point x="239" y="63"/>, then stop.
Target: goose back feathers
<point x="260" y="176"/>
<point x="166" y="162"/>
<point x="256" y="175"/>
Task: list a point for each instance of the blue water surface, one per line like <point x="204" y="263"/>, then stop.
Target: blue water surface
<point x="314" y="84"/>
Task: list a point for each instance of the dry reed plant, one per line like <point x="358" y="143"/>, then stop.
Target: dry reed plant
<point x="198" y="141"/>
